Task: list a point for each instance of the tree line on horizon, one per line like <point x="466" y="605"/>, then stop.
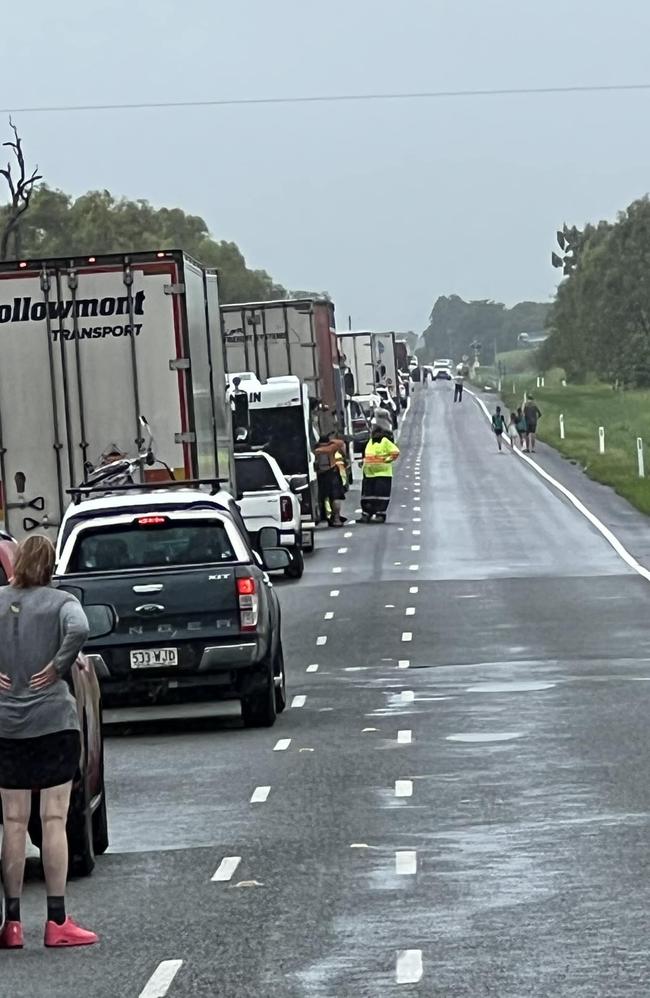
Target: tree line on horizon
<point x="456" y="324"/>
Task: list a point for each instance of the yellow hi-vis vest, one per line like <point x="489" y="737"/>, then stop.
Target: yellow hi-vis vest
<point x="378" y="458"/>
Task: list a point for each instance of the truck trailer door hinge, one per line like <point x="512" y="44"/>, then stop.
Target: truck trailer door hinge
<point x="174" y="289"/>
<point x="185" y="438"/>
<point x="179" y="364"/>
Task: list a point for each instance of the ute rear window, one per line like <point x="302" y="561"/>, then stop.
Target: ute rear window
<point x="176" y="543"/>
<point x="254" y="474"/>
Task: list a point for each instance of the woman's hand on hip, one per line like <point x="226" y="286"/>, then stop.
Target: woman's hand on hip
<point x="5" y="683"/>
<point x="44" y="678"/>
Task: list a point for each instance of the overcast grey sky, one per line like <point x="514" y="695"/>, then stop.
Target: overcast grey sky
<point x="384" y="205"/>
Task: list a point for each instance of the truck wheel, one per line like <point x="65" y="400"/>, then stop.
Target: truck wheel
<point x="297" y="566"/>
<point x="258" y="709"/>
<point x="280" y="681"/>
<point x="81" y="849"/>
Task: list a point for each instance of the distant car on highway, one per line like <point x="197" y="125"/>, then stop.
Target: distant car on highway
<point x="441" y="370"/>
<point x="197" y="617"/>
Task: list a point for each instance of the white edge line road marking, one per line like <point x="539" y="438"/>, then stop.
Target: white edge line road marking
<point x="158" y="984"/>
<point x="329" y="615"/>
<point x="334" y="592"/>
<point x="410" y="611"/>
<point x="408" y="969"/>
<point x="406" y="863"/>
<point x="407" y="636"/>
<point x="282" y="745"/>
<point x="403" y="788"/>
<point x="312" y="668"/>
<point x="260" y="794"/>
<point x="413" y="590"/>
<point x="299" y="700"/>
<point x="611" y="538"/>
<point x="405" y="737"/>
<point x="226" y="868"/>
<point x="404" y="663"/>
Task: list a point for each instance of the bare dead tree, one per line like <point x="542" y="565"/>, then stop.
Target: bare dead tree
<point x="21" y="188"/>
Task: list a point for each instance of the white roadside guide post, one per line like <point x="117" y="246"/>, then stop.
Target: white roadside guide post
<point x="499" y="385"/>
<point x="601" y="439"/>
<point x="542" y="380"/>
<point x="561" y="426"/>
<point x="639" y="452"/>
<point x="538" y="380"/>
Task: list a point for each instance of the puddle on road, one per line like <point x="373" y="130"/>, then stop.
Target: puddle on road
<point x="523" y="687"/>
<point x="494" y="736"/>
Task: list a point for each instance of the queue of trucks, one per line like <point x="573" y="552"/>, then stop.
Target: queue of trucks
<point x="89" y="345"/>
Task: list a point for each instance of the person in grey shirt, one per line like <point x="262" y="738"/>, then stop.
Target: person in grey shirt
<point x="42" y="630"/>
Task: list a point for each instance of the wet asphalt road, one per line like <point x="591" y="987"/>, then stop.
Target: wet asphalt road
<point x="464" y="797"/>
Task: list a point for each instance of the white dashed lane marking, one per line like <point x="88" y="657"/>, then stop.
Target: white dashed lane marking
<point x="337" y="570"/>
<point x="415" y="547"/>
<point x="406" y="863"/>
<point x="405" y="736"/>
<point x="334" y="593"/>
<point x="160" y="981"/>
<point x="407" y="636"/>
<point x="409" y="969"/>
<point x="413" y="590"/>
<point x="226" y="868"/>
<point x="313" y="667"/>
<point x="282" y="745"/>
<point x="413" y="568"/>
<point x="329" y="615"/>
<point x="299" y="700"/>
<point x="407" y="696"/>
<point x="260" y="794"/>
<point x="410" y="611"/>
<point x="321" y="639"/>
<point x="342" y="551"/>
<point x="403" y="788"/>
<point x="404" y="663"/>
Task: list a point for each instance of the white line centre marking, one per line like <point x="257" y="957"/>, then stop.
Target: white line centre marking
<point x="282" y="745"/>
<point x="413" y="590"/>
<point x="417" y="519"/>
<point x="329" y="615"/>
<point x="299" y="700"/>
<point x="405" y="736"/>
<point x="226" y="868"/>
<point x="406" y="863"/>
<point x="416" y="533"/>
<point x="348" y="533"/>
<point x="413" y="568"/>
<point x="313" y="667"/>
<point x="403" y="788"/>
<point x="415" y="547"/>
<point x="158" y="984"/>
<point x="342" y="551"/>
<point x="404" y="663"/>
<point x="321" y="639"/>
<point x="337" y="570"/>
<point x="407" y="636"/>
<point x="410" y="611"/>
<point x="260" y="794"/>
<point x="408" y="969"/>
<point x="334" y="592"/>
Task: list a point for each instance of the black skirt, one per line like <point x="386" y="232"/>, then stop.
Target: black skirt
<point x="39" y="763"/>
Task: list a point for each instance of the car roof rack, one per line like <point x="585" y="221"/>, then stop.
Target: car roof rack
<point x="88" y="491"/>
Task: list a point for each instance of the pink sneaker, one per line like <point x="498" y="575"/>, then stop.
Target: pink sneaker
<point x="11" y="936"/>
<point x="68" y="934"/>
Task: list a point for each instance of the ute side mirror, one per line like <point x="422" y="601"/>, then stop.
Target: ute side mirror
<point x="298" y="483"/>
<point x="273" y="557"/>
<point x="101" y="620"/>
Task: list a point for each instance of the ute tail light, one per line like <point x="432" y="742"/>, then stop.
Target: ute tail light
<point x="286" y="509"/>
<point x="249" y="603"/>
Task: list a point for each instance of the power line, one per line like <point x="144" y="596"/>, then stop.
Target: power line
<point x="332" y="98"/>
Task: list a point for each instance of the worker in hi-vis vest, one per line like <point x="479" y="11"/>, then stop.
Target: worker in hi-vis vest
<point x="378" y="460"/>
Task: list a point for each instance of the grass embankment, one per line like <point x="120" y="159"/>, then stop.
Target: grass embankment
<point x="624" y="415"/>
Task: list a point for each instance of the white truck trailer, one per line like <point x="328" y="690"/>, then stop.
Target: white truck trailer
<point x="87" y="345"/>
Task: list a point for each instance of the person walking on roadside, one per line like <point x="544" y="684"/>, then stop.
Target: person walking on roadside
<point x="498" y="425"/>
<point x="42" y="630"/>
<point x="380" y="454"/>
<point x="330" y="486"/>
<point x="459" y="378"/>
<point x="531" y="414"/>
<point x="513" y="432"/>
<point x="521" y="427"/>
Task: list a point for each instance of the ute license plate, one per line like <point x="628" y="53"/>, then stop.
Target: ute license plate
<point x="152" y="658"/>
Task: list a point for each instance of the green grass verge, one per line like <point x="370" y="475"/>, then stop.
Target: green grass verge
<point x="624" y="415"/>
